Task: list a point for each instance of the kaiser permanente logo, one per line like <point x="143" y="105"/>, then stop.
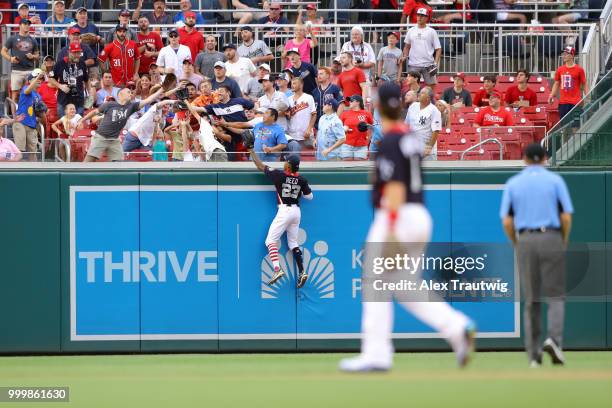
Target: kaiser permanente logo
<point x="319" y="268"/>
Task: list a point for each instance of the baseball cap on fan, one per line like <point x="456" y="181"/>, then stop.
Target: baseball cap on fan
<point x="293" y="51"/>
<point x="569" y="50"/>
<point x="23" y="5"/>
<point x="75" y="47"/>
<point x="422" y="12"/>
<point x="35" y="72"/>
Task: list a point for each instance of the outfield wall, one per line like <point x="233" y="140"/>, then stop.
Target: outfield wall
<point x="174" y="261"/>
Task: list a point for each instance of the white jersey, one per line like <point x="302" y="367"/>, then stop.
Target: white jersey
<point x="207" y="139"/>
<point x="301" y="113"/>
<point x="279" y="102"/>
<point x="169" y="58"/>
<point x="363" y="51"/>
<point x="423" y="122"/>
<point x="240" y="71"/>
<point x="144" y="127"/>
<point x="423" y="43"/>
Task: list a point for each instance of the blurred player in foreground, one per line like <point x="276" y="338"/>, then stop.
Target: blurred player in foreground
<point x="290" y="186"/>
<point x="401" y="222"/>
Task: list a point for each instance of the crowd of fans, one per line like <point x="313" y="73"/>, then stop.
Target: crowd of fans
<point x="188" y="96"/>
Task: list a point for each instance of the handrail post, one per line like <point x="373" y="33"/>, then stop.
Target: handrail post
<point x="499" y="52"/>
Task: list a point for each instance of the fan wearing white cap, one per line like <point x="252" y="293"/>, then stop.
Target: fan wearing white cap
<point x="423" y="49"/>
<point x="254" y="89"/>
<point x="272" y="98"/>
<point x="363" y="53"/>
<point x="25" y="132"/>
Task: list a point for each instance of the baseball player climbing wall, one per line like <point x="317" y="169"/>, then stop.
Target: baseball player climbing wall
<point x="203" y="278"/>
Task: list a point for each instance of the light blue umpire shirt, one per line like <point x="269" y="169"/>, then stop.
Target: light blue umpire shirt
<point x="535" y="197"/>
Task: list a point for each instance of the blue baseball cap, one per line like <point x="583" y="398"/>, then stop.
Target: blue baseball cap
<point x="333" y="103"/>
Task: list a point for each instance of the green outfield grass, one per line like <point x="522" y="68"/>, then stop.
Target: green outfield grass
<point x="312" y="380"/>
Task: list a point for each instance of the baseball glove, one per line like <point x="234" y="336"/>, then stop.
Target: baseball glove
<point x="248" y="139"/>
<point x="362" y="126"/>
<point x="89" y="39"/>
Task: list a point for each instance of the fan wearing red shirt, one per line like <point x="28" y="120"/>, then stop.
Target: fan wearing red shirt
<point x="191" y="37"/>
<point x="570" y="80"/>
<point x="481" y="98"/>
<point x="519" y="95"/>
<point x="23" y="11"/>
<point x="410" y="9"/>
<point x="123" y="58"/>
<point x="149" y="44"/>
<point x="352" y="80"/>
<point x="49" y="97"/>
<point x="355" y="146"/>
<point x="493" y="115"/>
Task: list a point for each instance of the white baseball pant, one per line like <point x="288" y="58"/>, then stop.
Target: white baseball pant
<point x="287" y="219"/>
<point x="413" y="225"/>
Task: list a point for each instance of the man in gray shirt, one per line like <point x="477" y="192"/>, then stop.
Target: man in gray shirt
<point x="24" y="52"/>
<point x="389" y="59"/>
<point x="255" y="50"/>
<point x="124" y="20"/>
<point x="254" y="89"/>
<point x="205" y="60"/>
<point x="116" y="114"/>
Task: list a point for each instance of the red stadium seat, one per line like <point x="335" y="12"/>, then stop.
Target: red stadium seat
<point x="474" y="79"/>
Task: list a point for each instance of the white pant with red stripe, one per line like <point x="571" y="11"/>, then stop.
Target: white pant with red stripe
<point x="287" y="219"/>
<point x="413" y="225"/>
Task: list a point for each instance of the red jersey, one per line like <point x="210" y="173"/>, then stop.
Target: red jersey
<point x="155" y="40"/>
<point x="122" y="59"/>
<point x="351" y="119"/>
<point x="571" y="81"/>
<point x="411" y="7"/>
<point x="488" y="117"/>
<point x="513" y="94"/>
<point x="48" y="95"/>
<point x="194" y="40"/>
<point x="481" y="98"/>
<point x="349" y="81"/>
<point x="18" y="22"/>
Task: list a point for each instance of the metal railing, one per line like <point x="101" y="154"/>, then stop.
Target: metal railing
<point x="583" y="149"/>
<point x="606" y="33"/>
<point x="473" y="48"/>
<point x="477" y="145"/>
<point x="564" y="140"/>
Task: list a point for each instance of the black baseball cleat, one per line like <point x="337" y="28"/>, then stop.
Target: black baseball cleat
<point x="278" y="273"/>
<point x="302" y="278"/>
<point x="554" y="351"/>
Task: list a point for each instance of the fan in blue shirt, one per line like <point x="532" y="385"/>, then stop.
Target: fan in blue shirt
<point x="270" y="139"/>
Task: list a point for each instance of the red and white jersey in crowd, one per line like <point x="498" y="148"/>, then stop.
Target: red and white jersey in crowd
<point x="121" y="59"/>
<point x="488" y="117"/>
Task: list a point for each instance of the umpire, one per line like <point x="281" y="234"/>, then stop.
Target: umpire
<point x="536" y="212"/>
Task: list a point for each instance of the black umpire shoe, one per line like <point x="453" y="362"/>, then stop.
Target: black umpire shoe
<point x="277" y="275"/>
<point x="554" y="351"/>
<point x="302" y="278"/>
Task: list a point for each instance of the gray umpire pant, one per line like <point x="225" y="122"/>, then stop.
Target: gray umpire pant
<point x="541" y="263"/>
